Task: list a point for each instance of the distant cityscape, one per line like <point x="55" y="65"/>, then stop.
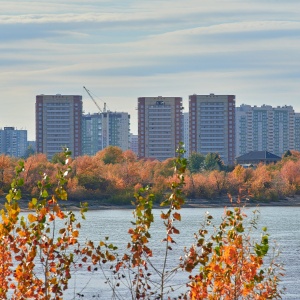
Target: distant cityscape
<point x="213" y="124"/>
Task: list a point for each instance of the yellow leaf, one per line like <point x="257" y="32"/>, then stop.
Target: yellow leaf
<point x="75" y="233"/>
<point x="34" y="201"/>
<point x="32" y="218"/>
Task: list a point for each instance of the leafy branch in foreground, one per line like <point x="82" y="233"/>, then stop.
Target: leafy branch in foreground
<point x="224" y="263"/>
<point x="38" y="250"/>
<point x="231" y="265"/>
<point x="135" y="269"/>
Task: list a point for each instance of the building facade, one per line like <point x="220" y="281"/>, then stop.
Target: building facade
<point x="186" y="134"/>
<point x="134" y="143"/>
<point x="265" y="128"/>
<point x="13" y="142"/>
<point x="297" y="131"/>
<point x="118" y="129"/>
<point x="92" y="139"/>
<point x="212" y="125"/>
<point x="58" y="124"/>
<point x="104" y="129"/>
<point x="160" y="126"/>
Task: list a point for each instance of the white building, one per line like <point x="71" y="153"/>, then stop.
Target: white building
<point x="13" y="142"/>
<point x="264" y="128"/>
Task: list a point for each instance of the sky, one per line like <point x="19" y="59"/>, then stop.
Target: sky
<point x="124" y="49"/>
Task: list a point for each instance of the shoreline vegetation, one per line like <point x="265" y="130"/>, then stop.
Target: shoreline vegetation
<point x="221" y="202"/>
<point x="110" y="178"/>
<point x="38" y="258"/>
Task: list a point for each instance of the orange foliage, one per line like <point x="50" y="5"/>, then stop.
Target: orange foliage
<point x="6" y="170"/>
<point x="230" y="263"/>
<point x="218" y="181"/>
<point x="112" y="172"/>
<point x="260" y="182"/>
<point x="290" y="172"/>
<point x="231" y="266"/>
<point x="27" y="241"/>
<point x="35" y="167"/>
<point x="85" y="165"/>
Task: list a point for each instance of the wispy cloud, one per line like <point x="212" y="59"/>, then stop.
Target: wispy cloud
<point x="125" y="49"/>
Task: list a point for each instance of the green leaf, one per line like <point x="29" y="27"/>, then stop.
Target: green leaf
<point x="20" y="181"/>
<point x="45" y="194"/>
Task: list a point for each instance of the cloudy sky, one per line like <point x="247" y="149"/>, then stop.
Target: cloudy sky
<point x="125" y="49"/>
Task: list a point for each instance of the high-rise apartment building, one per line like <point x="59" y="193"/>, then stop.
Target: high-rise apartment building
<point x="264" y="128"/>
<point x="186" y="134"/>
<point x="160" y="127"/>
<point x="134" y="143"/>
<point x="13" y="142"/>
<point x="118" y="131"/>
<point x="58" y="124"/>
<point x="297" y="131"/>
<point x="212" y="125"/>
<point x="104" y="129"/>
<point x="92" y="138"/>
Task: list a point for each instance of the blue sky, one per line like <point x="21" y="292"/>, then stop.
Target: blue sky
<point x="121" y="50"/>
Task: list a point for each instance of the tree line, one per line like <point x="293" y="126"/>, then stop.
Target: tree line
<point x="113" y="175"/>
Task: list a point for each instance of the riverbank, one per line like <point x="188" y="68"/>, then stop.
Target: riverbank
<point x="221" y="202"/>
<point x="190" y="203"/>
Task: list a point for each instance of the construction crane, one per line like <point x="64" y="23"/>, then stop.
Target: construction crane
<point x="89" y="93"/>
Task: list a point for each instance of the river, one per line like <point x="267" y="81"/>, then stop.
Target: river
<point x="282" y="223"/>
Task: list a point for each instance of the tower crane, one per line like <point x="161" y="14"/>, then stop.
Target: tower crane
<point x="89" y="93"/>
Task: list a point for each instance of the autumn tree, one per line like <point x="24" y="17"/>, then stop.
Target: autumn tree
<point x="34" y="168"/>
<point x="239" y="180"/>
<point x="290" y="173"/>
<point x="229" y="264"/>
<point x="6" y="171"/>
<point x="218" y="180"/>
<point x="32" y="241"/>
<point x="111" y="155"/>
<point x="260" y="183"/>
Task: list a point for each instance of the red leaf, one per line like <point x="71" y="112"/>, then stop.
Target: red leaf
<point x="177" y="216"/>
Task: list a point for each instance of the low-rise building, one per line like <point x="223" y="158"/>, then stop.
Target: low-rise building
<point x="256" y="157"/>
